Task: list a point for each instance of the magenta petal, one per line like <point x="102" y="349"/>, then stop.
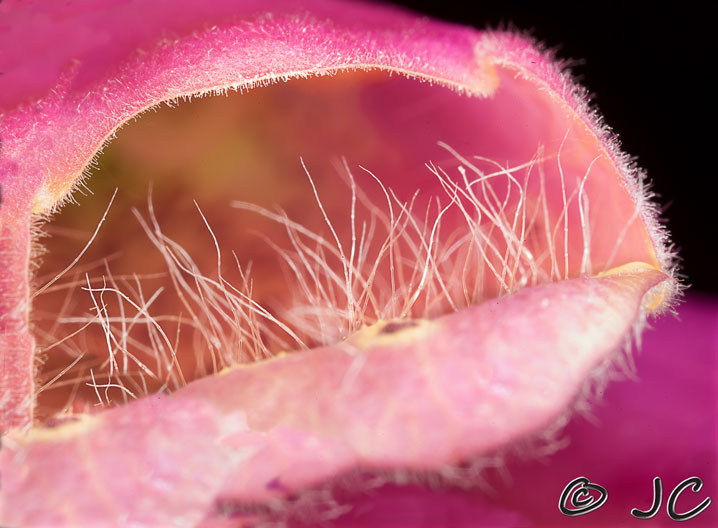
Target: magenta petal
<point x="442" y="391"/>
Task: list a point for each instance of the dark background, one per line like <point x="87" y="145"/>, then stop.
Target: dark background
<point x="651" y="71"/>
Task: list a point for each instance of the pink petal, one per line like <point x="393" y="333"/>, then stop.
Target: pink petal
<point x="72" y="76"/>
<point x="329" y="410"/>
<point x="664" y="423"/>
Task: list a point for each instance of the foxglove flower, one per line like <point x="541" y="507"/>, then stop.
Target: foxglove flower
<point x="439" y="250"/>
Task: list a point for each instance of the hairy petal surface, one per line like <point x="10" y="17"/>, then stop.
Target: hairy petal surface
<point x="664" y="423"/>
<point x="419" y="397"/>
<point x="272" y="428"/>
<point x="73" y="74"/>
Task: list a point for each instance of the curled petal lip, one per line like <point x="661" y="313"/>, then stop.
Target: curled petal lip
<point x="664" y="424"/>
<point x="92" y="83"/>
<point x="251" y="450"/>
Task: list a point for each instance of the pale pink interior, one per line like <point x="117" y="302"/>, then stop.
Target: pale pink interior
<point x="248" y="147"/>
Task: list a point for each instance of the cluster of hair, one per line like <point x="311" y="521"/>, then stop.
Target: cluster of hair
<point x="420" y="257"/>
